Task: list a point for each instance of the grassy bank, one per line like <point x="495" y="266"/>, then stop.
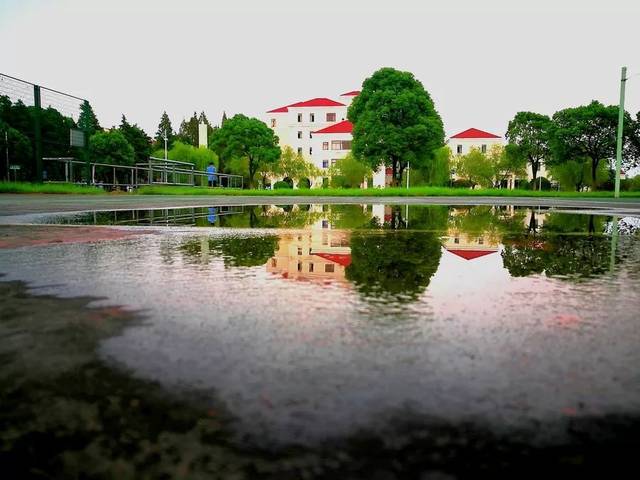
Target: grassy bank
<point x="61" y="188"/>
<point x="377" y="192"/>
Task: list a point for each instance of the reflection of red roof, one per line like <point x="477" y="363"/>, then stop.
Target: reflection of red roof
<point x="341" y="127"/>
<point x="343" y="259"/>
<point x="353" y="93"/>
<point x="474" y="133"/>
<point x="471" y="254"/>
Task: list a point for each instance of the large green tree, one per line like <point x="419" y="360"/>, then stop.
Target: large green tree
<point x="349" y="172"/>
<point x="246" y="137"/>
<point x="164" y="127"/>
<point x="587" y="132"/>
<point x="137" y="138"/>
<point x="87" y="120"/>
<point x="111" y="147"/>
<point x="476" y="167"/>
<point x="395" y="122"/>
<point x="528" y="137"/>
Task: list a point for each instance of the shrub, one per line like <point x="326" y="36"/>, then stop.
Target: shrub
<point x="281" y="185"/>
<point x="462" y="183"/>
<point x="546" y="184"/>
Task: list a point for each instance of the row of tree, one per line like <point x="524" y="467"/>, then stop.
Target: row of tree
<point x="577" y="145"/>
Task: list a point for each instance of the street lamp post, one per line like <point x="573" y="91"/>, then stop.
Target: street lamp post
<point x="623" y="79"/>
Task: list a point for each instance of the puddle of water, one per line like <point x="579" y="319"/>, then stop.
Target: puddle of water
<point x="316" y="322"/>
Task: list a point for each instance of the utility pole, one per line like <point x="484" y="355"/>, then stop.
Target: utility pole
<point x="623" y="79"/>
<point x="407" y="174"/>
<point x="165" y="144"/>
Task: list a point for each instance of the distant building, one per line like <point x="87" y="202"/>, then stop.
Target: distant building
<point x="462" y="143"/>
<point x="318" y="129"/>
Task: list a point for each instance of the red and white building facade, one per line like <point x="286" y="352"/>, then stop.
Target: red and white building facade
<point x="318" y="128"/>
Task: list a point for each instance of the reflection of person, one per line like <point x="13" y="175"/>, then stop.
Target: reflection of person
<point x="211" y="176"/>
<point x="211" y="218"/>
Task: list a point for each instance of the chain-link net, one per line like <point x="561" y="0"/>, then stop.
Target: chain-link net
<point x="35" y="122"/>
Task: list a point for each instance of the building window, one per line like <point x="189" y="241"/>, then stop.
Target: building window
<point x="273" y="123"/>
<point x="331" y="117"/>
<point x="484" y="149"/>
<point x="312" y="117"/>
<point x="459" y="149"/>
<point x="299" y="150"/>
<point x="310" y="134"/>
<point x="325" y="223"/>
<point x="299" y="118"/>
<point x="299" y="266"/>
<point x="299" y="250"/>
<point x="456" y="240"/>
<point x="334" y="161"/>
<point x="325" y="145"/>
<point x="325" y="163"/>
<point x="329" y="268"/>
<point x="340" y="144"/>
<point x="311" y="267"/>
<point x="480" y="240"/>
<point x="299" y="134"/>
<point x="310" y="150"/>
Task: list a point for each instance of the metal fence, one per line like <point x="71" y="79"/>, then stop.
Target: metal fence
<point x="156" y="171"/>
<point x="36" y="123"/>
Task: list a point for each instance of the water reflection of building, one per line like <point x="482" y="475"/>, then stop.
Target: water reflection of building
<point x="317" y="254"/>
<point x="470" y="245"/>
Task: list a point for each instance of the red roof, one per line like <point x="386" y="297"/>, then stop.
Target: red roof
<point x="279" y="110"/>
<point x="314" y="102"/>
<point x="318" y="102"/>
<point x="343" y="259"/>
<point x="353" y="93"/>
<point x="471" y="254"/>
<point x="341" y="127"/>
<point x="475" y="133"/>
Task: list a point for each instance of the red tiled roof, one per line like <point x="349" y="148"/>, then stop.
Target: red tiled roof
<point x="343" y="259"/>
<point x="474" y="133"/>
<point x="341" y="127"/>
<point x="353" y="93"/>
<point x="471" y="254"/>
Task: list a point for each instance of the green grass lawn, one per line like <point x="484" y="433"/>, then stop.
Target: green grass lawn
<point x="62" y="188"/>
<point x="25" y="187"/>
<point x="377" y="192"/>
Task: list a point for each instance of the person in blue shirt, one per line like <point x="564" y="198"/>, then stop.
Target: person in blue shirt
<point x="211" y="174"/>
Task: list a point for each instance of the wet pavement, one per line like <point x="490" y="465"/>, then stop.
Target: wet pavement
<point x="323" y="341"/>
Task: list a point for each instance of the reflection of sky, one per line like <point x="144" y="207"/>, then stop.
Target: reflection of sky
<point x="299" y="361"/>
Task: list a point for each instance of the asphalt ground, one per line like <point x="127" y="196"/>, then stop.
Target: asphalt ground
<point x="22" y="204"/>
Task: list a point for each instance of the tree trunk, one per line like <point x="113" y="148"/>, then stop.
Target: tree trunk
<point x="535" y="165"/>
<point x="594" y="170"/>
<point x="252" y="172"/>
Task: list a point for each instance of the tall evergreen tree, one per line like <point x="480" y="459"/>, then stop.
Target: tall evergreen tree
<point x="137" y="138"/>
<point x="87" y="120"/>
<point x="188" y="132"/>
<point x="164" y="126"/>
<point x="224" y="118"/>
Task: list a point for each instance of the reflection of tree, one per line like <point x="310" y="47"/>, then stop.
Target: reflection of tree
<point x="567" y="245"/>
<point x="489" y="221"/>
<point x="394" y="264"/>
<point x="235" y="251"/>
<point x="262" y="216"/>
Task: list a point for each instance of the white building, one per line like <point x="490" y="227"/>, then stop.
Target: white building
<point x="462" y="143"/>
<point x="317" y="128"/>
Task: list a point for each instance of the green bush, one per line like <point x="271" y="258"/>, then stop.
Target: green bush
<point x="546" y="184"/>
<point x="281" y="185"/>
<point x="630" y="184"/>
<point x="462" y="183"/>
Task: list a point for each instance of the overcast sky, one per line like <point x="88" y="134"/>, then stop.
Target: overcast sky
<point x="482" y="61"/>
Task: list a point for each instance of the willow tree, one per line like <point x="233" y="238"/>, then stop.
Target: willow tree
<point x="395" y="122"/>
